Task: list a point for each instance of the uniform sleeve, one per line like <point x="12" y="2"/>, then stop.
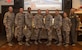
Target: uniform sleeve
<point x="5" y="19"/>
<point x="77" y="21"/>
<point x="42" y="22"/>
<point x="35" y="20"/>
<point x="51" y="20"/>
<point x="16" y="18"/>
<point x="70" y="24"/>
<point x="13" y="18"/>
<point x="60" y="21"/>
<point x="26" y="19"/>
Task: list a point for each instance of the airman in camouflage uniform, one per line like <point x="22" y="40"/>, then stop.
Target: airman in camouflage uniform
<point x="28" y="24"/>
<point x="66" y="25"/>
<point x="48" y="24"/>
<point x="74" y="27"/>
<point x="19" y="23"/>
<point x="9" y="23"/>
<point x="57" y="27"/>
<point x="38" y="25"/>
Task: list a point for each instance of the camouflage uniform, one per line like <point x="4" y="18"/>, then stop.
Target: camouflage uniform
<point x="57" y="26"/>
<point x="9" y="23"/>
<point x="38" y="25"/>
<point x="19" y="23"/>
<point x="66" y="25"/>
<point x="28" y="23"/>
<point x="48" y="24"/>
<point x="74" y="21"/>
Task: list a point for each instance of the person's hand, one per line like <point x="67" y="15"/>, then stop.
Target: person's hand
<point x="77" y="29"/>
<point x="58" y="29"/>
<point x="29" y="27"/>
<point x="49" y="29"/>
<point x="6" y="26"/>
<point x="15" y="25"/>
<point x="15" y="35"/>
<point x="25" y="27"/>
<point x="36" y="27"/>
<point x="42" y="27"/>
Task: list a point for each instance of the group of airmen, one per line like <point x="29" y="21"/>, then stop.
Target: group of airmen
<point x="25" y="24"/>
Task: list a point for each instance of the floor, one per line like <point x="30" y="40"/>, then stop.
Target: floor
<point x="4" y="46"/>
<point x="40" y="47"/>
<point x="80" y="42"/>
<point x="2" y="40"/>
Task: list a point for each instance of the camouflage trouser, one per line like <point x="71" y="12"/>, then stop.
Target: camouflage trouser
<point x="54" y="35"/>
<point x="59" y="35"/>
<point x="27" y="33"/>
<point x="37" y="33"/>
<point x="19" y="33"/>
<point x="49" y="33"/>
<point x="73" y="35"/>
<point x="66" y="36"/>
<point x="9" y="34"/>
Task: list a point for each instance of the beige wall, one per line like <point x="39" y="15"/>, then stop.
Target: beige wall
<point x="76" y="4"/>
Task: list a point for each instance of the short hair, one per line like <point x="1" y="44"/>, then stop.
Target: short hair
<point x="21" y="7"/>
<point x="10" y="6"/>
<point x="29" y="7"/>
<point x="39" y="9"/>
<point x="56" y="10"/>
